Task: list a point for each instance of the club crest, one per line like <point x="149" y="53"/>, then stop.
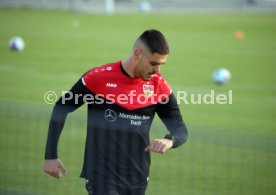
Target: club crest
<point x="148" y="90"/>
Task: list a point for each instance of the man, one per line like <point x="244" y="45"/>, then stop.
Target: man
<point x="123" y="98"/>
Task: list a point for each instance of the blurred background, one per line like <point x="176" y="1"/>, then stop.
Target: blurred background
<point x="231" y="147"/>
<point x="145" y="5"/>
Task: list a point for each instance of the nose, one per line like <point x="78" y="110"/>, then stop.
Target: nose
<point x="156" y="68"/>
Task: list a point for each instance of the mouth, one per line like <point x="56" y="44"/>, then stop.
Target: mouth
<point x="148" y="76"/>
<point x="151" y="73"/>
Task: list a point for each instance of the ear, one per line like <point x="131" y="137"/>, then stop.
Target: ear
<point x="136" y="53"/>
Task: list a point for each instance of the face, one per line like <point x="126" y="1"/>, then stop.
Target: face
<point x="147" y="64"/>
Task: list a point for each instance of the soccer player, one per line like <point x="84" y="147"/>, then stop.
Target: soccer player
<point x="123" y="99"/>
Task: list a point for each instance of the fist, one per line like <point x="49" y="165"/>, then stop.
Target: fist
<point x="54" y="167"/>
<point x="159" y="145"/>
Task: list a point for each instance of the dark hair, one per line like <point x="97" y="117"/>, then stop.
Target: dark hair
<point x="155" y="41"/>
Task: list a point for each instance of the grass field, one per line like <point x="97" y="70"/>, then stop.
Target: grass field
<point x="231" y="148"/>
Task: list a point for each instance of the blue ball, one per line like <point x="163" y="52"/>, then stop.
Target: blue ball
<point x="221" y="76"/>
<point x="16" y="44"/>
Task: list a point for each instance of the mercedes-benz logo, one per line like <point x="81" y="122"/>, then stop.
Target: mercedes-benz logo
<point x="110" y="115"/>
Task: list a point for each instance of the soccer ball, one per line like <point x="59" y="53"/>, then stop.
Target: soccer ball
<point x="221" y="76"/>
<point x="16" y="44"/>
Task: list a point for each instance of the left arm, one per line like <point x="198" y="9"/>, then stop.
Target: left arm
<point x="170" y="115"/>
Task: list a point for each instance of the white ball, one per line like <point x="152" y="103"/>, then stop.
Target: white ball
<point x="145" y="6"/>
<point x="221" y="76"/>
<point x="16" y="44"/>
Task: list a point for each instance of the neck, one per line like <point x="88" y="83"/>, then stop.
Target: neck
<point x="128" y="67"/>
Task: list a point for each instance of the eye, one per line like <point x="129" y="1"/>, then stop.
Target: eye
<point x="154" y="63"/>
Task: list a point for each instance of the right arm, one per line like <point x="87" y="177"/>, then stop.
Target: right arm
<point x="72" y="100"/>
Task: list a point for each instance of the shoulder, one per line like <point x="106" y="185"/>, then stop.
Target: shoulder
<point x="100" y="72"/>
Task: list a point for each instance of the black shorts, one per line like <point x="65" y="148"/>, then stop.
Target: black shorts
<point x="109" y="189"/>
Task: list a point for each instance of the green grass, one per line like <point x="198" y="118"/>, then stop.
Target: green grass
<point x="231" y="148"/>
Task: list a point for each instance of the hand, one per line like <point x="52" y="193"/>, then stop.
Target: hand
<point x="159" y="145"/>
<point x="54" y="167"/>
